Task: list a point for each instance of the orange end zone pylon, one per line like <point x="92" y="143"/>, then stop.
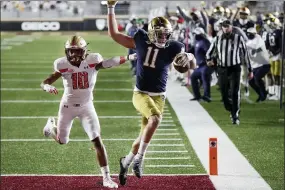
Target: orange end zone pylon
<point x="213" y="156"/>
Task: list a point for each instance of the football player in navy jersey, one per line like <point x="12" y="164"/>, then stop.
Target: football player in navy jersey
<point x="155" y="53"/>
<point x="243" y="22"/>
<point x="274" y="44"/>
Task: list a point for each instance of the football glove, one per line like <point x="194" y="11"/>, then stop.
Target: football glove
<point x="50" y="89"/>
<point x="111" y="3"/>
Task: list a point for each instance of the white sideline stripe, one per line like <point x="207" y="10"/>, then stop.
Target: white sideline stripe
<point x="6" y="47"/>
<point x="159" y="129"/>
<point x="57" y="101"/>
<point x="61" y="89"/>
<point x="95" y="175"/>
<point x="82" y="140"/>
<point x="167" y="158"/>
<point x="40" y="80"/>
<point x="235" y="172"/>
<point x="167" y="145"/>
<point x="45" y="117"/>
<point x="169" y="166"/>
<point x="166" y="134"/>
<point x="166" y="151"/>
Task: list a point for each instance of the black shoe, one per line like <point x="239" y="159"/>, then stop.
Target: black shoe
<point x="123" y="172"/>
<point x="138" y="168"/>
<point x="206" y="99"/>
<point x="258" y="99"/>
<point x="235" y="121"/>
<point x="195" y="99"/>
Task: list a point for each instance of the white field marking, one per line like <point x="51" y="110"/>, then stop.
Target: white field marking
<point x="167" y="145"/>
<point x="166" y="134"/>
<point x="235" y="172"/>
<point x="6" y="47"/>
<point x="159" y="129"/>
<point x="167" y="158"/>
<point x="46" y="117"/>
<point x="164" y="113"/>
<point x="97" y="175"/>
<point x="247" y="99"/>
<point x="57" y="101"/>
<point x="163" y="121"/>
<point x="166" y="151"/>
<point x="163" y="125"/>
<point x="281" y="120"/>
<point x="169" y="166"/>
<point x="62" y="89"/>
<point x="81" y="140"/>
<point x="40" y="80"/>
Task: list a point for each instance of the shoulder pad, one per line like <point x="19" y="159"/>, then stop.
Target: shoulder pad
<point x="94" y="58"/>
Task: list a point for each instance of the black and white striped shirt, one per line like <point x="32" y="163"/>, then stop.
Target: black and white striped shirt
<point x="229" y="51"/>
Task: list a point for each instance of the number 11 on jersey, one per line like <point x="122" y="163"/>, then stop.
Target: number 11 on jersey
<point x="153" y="60"/>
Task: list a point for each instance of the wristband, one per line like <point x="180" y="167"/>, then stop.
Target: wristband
<point x="111" y="10"/>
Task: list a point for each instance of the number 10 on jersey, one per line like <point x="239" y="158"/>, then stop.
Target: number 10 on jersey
<point x="80" y="80"/>
<point x="153" y="60"/>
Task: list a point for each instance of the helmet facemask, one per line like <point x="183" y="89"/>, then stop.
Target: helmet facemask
<point x="160" y="37"/>
<point x="76" y="50"/>
<point x="75" y="55"/>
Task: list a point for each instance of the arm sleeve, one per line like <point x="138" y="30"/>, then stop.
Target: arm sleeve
<point x="211" y="49"/>
<point x="245" y="53"/>
<point x="56" y="65"/>
<point x="185" y="17"/>
<point x="241" y="32"/>
<point x="205" y="20"/>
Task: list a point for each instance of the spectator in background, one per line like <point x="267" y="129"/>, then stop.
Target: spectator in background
<point x="130" y="23"/>
<point x="131" y="32"/>
<point x="202" y="72"/>
<point x="260" y="62"/>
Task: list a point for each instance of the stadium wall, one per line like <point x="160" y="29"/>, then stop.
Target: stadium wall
<point x="85" y="24"/>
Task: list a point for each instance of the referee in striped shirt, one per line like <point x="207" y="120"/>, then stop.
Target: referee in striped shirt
<point x="231" y="51"/>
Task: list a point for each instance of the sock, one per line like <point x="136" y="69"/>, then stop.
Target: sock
<point x="105" y="172"/>
<point x="271" y="89"/>
<point x="142" y="150"/>
<point x="128" y="160"/>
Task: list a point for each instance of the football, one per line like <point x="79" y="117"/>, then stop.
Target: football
<point x="183" y="61"/>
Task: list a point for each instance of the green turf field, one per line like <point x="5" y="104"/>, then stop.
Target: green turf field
<point x="260" y="136"/>
<point x="24" y="150"/>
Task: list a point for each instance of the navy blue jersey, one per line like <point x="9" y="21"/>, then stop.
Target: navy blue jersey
<point x="201" y="48"/>
<point x="153" y="62"/>
<point x="274" y="41"/>
<point x="244" y="27"/>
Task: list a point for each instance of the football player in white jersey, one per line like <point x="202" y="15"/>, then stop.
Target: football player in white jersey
<point x="78" y="70"/>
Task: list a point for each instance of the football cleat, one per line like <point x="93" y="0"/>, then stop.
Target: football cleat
<point x="123" y="172"/>
<point x="137" y="167"/>
<point x="50" y="124"/>
<point x="235" y="121"/>
<point x="107" y="182"/>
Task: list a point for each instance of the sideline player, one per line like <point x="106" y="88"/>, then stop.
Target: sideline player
<point x="155" y="52"/>
<point x="78" y="70"/>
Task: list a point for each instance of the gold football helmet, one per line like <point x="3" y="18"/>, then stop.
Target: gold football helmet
<point x="76" y="49"/>
<point x="159" y="31"/>
<point x="218" y="12"/>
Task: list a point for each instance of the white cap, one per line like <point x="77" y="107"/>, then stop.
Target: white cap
<point x="252" y="30"/>
<point x="199" y="30"/>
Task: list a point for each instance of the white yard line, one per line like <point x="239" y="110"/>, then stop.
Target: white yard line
<point x="82" y="140"/>
<point x="95" y="175"/>
<point x="40" y="80"/>
<point x="234" y="170"/>
<point x="166" y="151"/>
<point x="61" y="89"/>
<point x="169" y="166"/>
<point x="45" y="117"/>
<point x="166" y="134"/>
<point x="167" y="158"/>
<point x="160" y="129"/>
<point x="166" y="145"/>
<point x="57" y="101"/>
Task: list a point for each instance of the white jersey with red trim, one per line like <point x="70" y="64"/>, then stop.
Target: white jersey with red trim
<point x="79" y="81"/>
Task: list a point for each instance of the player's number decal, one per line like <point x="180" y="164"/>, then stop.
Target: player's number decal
<point x="146" y="61"/>
<point x="80" y="80"/>
<point x="272" y="40"/>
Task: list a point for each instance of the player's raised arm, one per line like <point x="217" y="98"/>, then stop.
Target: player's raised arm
<point x="117" y="36"/>
<point x="115" y="61"/>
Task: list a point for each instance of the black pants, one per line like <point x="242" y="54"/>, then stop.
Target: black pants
<point x="229" y="79"/>
<point x="257" y="83"/>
